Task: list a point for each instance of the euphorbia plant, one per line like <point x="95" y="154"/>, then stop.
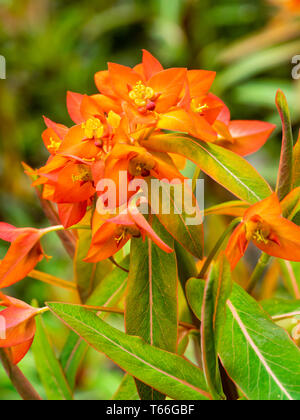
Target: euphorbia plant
<point x="141" y="127"/>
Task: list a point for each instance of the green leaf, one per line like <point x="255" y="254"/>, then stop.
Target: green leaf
<point x="195" y="294"/>
<point x="108" y="293"/>
<point x="225" y="167"/>
<point x="257" y="63"/>
<point x="208" y="302"/>
<point x="285" y="173"/>
<point x="292" y="282"/>
<point x="87" y="275"/>
<point x="186" y="265"/>
<point x="291" y="204"/>
<point x="258" y="355"/>
<point x="127" y="390"/>
<point x="72" y="356"/>
<point x="296" y="164"/>
<point x="217" y="290"/>
<point x="176" y="218"/>
<point x="281" y="308"/>
<point x="168" y="373"/>
<point x="230" y="208"/>
<point x="48" y="366"/>
<point x="151" y="300"/>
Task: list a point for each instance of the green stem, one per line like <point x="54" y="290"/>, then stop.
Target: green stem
<point x="217" y="247"/>
<point x="19" y="381"/>
<point x="195" y="178"/>
<point x="258" y="271"/>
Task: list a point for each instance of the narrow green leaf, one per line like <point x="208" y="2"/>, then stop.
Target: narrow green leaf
<point x="291" y="281"/>
<point x="208" y="301"/>
<point x="230" y="208"/>
<point x="49" y="368"/>
<point x="217" y="290"/>
<point x="258" y="355"/>
<point x="108" y="293"/>
<point x="151" y="300"/>
<point x="225" y="167"/>
<point x="176" y="218"/>
<point x="186" y="265"/>
<point x="285" y="173"/>
<point x="127" y="390"/>
<point x="169" y="373"/>
<point x="87" y="275"/>
<point x="195" y="294"/>
<point x="72" y="356"/>
<point x="291" y="204"/>
<point x="296" y="164"/>
<point x="281" y="308"/>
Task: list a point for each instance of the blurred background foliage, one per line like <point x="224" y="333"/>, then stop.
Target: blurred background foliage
<point x="52" y="46"/>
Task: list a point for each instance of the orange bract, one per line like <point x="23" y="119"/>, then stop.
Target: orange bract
<point x="17" y="328"/>
<point x="264" y="224"/>
<point x="23" y="255"/>
<point x="114" y="233"/>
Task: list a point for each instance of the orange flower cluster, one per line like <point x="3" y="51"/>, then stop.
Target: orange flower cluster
<point x="132" y="105"/>
<point x="290" y="5"/>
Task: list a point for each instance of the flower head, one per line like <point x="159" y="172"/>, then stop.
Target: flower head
<point x="264" y="225"/>
<point x="114" y="233"/>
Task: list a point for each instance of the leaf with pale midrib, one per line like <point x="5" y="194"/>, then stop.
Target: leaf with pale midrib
<point x="169" y="373"/>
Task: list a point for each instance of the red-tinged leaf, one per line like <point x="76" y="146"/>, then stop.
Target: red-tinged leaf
<point x="87" y="275"/>
<point x="285" y="174"/>
<point x="255" y="351"/>
<point x="290" y="205"/>
<point x="231" y="208"/>
<point x="127" y="390"/>
<point x="168" y="373"/>
<point x="217" y="290"/>
<point x="291" y="281"/>
<point x="296" y="164"/>
<point x="151" y="301"/>
<point x="224" y="166"/>
<point x="73" y="104"/>
<point x="108" y="293"/>
<point x="214" y="296"/>
<point x="281" y="308"/>
<point x="183" y="220"/>
<point x="259" y="356"/>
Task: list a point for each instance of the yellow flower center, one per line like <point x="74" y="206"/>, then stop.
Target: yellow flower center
<point x="141" y="165"/>
<point x="199" y="109"/>
<point x="84" y="175"/>
<point x="257" y="231"/>
<point x="93" y="128"/>
<point x="141" y="94"/>
<point x="113" y="119"/>
<point x="54" y="145"/>
<point x="123" y="231"/>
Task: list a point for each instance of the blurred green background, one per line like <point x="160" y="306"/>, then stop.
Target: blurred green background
<point x="52" y="46"/>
